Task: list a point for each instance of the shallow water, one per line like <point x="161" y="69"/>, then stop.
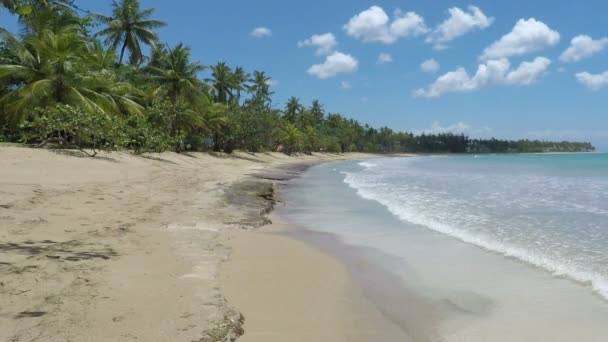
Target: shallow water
<point x="506" y="247"/>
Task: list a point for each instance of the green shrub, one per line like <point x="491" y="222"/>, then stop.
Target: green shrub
<point x="142" y="136"/>
<point x="74" y="128"/>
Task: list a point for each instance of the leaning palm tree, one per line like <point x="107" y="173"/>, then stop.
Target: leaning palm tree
<point x="222" y="81"/>
<point x="129" y="26"/>
<point x="53" y="67"/>
<point x="176" y="81"/>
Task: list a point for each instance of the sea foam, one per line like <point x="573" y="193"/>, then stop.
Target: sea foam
<point x="407" y="207"/>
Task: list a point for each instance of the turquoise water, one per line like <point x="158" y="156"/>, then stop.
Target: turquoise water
<point x="547" y="210"/>
<point x="508" y="247"/>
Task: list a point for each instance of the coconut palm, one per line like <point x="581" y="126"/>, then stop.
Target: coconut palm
<point x="239" y="82"/>
<point x="260" y="86"/>
<point x="53" y="17"/>
<point x="175" y="77"/>
<point x="214" y="118"/>
<point x="316" y="112"/>
<point x="292" y="109"/>
<point x="290" y="137"/>
<point x="222" y="81"/>
<point x="129" y="26"/>
<point x="52" y="68"/>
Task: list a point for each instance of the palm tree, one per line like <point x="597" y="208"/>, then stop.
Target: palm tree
<point x="260" y="86"/>
<point x="130" y="26"/>
<point x="52" y="68"/>
<point x="222" y="81"/>
<point x="316" y="112"/>
<point x="176" y="81"/>
<point x="239" y="82"/>
<point x="214" y="119"/>
<point x="292" y="109"/>
<point x="290" y="137"/>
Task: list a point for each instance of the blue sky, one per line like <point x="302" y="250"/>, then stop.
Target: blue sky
<point x="541" y="98"/>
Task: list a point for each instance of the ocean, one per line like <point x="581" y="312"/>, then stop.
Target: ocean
<point x="506" y="247"/>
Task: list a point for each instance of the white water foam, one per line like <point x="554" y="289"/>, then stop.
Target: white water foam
<point x="401" y="210"/>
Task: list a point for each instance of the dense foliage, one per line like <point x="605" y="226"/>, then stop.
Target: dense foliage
<point x="63" y="81"/>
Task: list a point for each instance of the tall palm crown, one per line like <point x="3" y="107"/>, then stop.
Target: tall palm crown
<point x="176" y="80"/>
<point x="130" y="26"/>
<point x="222" y="81"/>
<point x="239" y="82"/>
<point x="175" y="75"/>
<point x="260" y="86"/>
<point x="292" y="109"/>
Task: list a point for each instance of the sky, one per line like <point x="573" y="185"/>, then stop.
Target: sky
<point x="508" y="69"/>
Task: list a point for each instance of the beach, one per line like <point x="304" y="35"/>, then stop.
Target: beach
<point x="160" y="247"/>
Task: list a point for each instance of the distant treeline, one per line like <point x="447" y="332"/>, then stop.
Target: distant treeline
<point x="460" y="143"/>
<point x="81" y="80"/>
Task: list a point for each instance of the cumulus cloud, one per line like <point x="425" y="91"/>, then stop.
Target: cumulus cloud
<point x="581" y="47"/>
<point x="261" y="32"/>
<point x="374" y="25"/>
<point x="384" y="58"/>
<point x="490" y="73"/>
<point x="593" y="81"/>
<point x="458" y="23"/>
<point x="336" y="63"/>
<point x="527" y="72"/>
<point x="324" y="43"/>
<point x="430" y="66"/>
<point x="527" y="36"/>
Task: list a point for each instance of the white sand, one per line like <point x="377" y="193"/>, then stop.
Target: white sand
<point x="124" y="247"/>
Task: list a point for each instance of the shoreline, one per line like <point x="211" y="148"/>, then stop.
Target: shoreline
<point x="123" y="247"/>
<point x="297" y="268"/>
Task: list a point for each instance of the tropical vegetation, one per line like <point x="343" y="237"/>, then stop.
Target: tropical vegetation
<point x="90" y="81"/>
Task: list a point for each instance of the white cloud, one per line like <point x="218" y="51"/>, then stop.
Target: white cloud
<point x="324" y="43"/>
<point x="593" y="81"/>
<point x="407" y="24"/>
<point x="430" y="66"/>
<point x="345" y="85"/>
<point x="374" y="25"/>
<point x="527" y="72"/>
<point x="456" y="128"/>
<point x="458" y="24"/>
<point x="261" y="32"/>
<point x="272" y="83"/>
<point x="526" y="36"/>
<point x="490" y="73"/>
<point x="583" y="46"/>
<point x="384" y="58"/>
<point x="336" y="63"/>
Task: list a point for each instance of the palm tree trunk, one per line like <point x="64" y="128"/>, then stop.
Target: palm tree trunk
<point x="122" y="52"/>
